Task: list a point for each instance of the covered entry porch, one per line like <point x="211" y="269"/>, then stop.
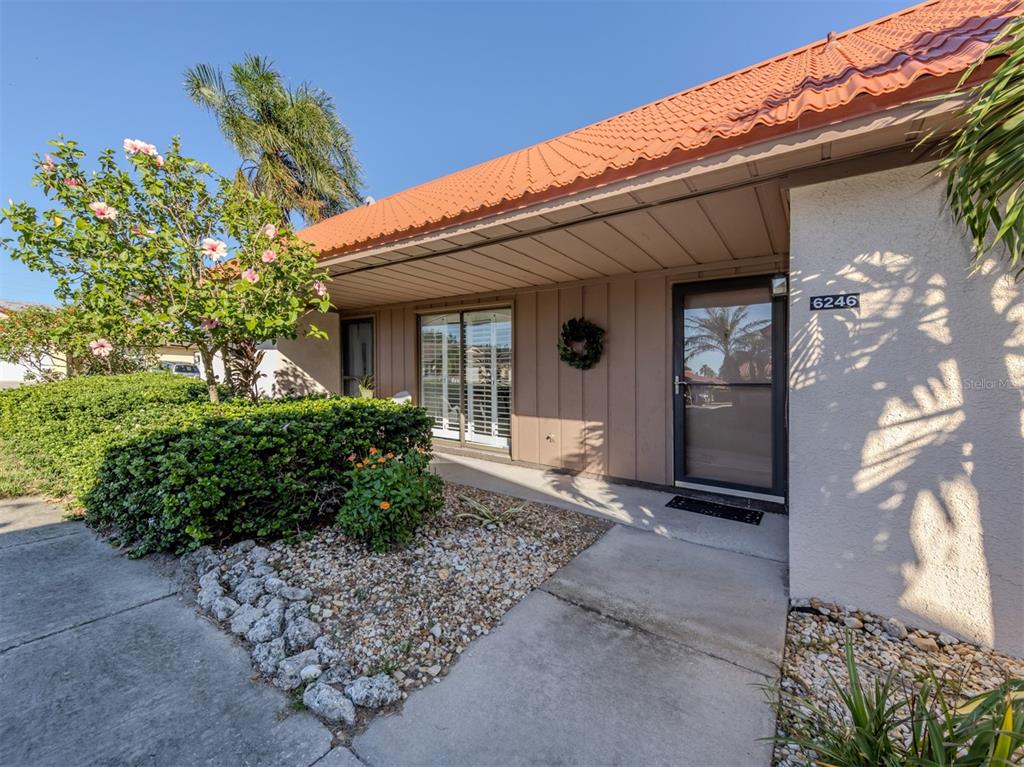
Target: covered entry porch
<point x="467" y="319"/>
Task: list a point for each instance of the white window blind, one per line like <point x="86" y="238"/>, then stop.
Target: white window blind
<point x="466" y="368"/>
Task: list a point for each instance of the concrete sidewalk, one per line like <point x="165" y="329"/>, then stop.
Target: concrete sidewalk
<point x="643" y="650"/>
<point x="101" y="664"/>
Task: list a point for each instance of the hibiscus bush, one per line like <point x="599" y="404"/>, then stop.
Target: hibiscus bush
<point x="161" y="468"/>
<point x="164" y="246"/>
<point x="389" y="497"/>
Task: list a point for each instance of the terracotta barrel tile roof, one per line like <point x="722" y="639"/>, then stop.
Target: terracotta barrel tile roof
<point x="935" y="38"/>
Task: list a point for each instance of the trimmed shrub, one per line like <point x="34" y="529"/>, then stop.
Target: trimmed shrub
<point x="148" y="457"/>
<point x="239" y="470"/>
<point x="61" y="429"/>
<point x="389" y="497"/>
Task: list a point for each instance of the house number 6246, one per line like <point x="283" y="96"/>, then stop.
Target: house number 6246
<point x="838" y="301"/>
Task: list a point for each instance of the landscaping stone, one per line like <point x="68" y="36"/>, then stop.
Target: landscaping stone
<point x="924" y="643"/>
<point x="373" y="692"/>
<point x="310" y="672"/>
<point x="244" y="618"/>
<point x="223" y="608"/>
<point x="300" y="634"/>
<point x="289" y="670"/>
<point x="328" y="651"/>
<point x="326" y="702"/>
<point x="208" y="595"/>
<point x="328" y="611"/>
<point x="273" y="585"/>
<point x="894" y="627"/>
<point x="815" y="648"/>
<point x="267" y="655"/>
<point x="266" y="628"/>
<point x="249" y="590"/>
<point x="241" y="547"/>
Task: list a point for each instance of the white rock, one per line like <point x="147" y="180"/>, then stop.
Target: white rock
<point x="947" y="639"/>
<point x="266" y="628"/>
<point x="312" y="671"/>
<point x="249" y="590"/>
<point x="289" y="669"/>
<point x="273" y="585"/>
<point x="853" y="623"/>
<point x="242" y="547"/>
<point x="300" y="634"/>
<point x="223" y="608"/>
<point x="295" y="594"/>
<point x="267" y="655"/>
<point x="436" y="630"/>
<point x="328" y="703"/>
<point x="894" y="627"/>
<point x="327" y="650"/>
<point x="244" y="617"/>
<point x="373" y="691"/>
<point x="259" y="553"/>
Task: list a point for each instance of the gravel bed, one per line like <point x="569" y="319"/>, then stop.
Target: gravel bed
<point x="815" y="646"/>
<point x="350" y="632"/>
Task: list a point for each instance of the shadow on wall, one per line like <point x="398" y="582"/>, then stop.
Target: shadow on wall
<point x="909" y="474"/>
<point x="289" y="380"/>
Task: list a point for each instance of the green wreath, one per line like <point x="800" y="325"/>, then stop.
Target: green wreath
<point x="581" y="343"/>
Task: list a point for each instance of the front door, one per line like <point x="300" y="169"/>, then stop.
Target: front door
<point x="729" y="386"/>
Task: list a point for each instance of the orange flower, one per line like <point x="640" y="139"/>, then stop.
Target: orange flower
<point x="359" y="465"/>
<point x="382" y="459"/>
<point x="390" y="456"/>
<point x="384" y="505"/>
<point x="373" y="451"/>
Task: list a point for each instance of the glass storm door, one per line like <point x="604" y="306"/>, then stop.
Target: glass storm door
<point x="466" y="375"/>
<point x="729" y="385"/>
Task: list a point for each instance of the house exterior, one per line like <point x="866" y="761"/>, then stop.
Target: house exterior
<point x="789" y="314"/>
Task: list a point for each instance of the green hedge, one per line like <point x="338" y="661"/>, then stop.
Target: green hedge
<point x="61" y="429"/>
<point x="169" y="471"/>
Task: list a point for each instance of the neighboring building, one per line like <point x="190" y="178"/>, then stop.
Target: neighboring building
<point x="891" y="427"/>
<point x="13" y="373"/>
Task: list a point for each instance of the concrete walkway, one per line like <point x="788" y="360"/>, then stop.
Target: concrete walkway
<point x="643" y="650"/>
<point x="100" y="664"/>
<point x="637" y="507"/>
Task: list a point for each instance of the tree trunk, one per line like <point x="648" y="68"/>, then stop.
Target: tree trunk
<point x="206" y="355"/>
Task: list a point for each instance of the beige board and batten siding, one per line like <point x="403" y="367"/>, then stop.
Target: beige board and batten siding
<point x="906" y="418"/>
<point x="614" y="420"/>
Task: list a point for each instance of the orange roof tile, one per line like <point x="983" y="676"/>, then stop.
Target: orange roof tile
<point x="934" y="38"/>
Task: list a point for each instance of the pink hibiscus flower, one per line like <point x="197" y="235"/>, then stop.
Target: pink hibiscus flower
<point x="73" y="182"/>
<point x="269" y="231"/>
<point x="103" y="211"/>
<point x="159" y="161"/>
<point x="101" y="347"/>
<point x="269" y="256"/>
<point x="209" y="324"/>
<point x="250" y="276"/>
<point x="48" y="164"/>
<point x="215" y="249"/>
<point x="134" y="146"/>
<point x="319" y="288"/>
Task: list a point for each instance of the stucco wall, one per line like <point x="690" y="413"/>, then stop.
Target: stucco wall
<point x="906" y="423"/>
<point x="301" y="365"/>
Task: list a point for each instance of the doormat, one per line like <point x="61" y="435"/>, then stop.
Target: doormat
<point x="720" y="510"/>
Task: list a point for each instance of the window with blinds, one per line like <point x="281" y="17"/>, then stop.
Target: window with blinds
<point x="466" y="375"/>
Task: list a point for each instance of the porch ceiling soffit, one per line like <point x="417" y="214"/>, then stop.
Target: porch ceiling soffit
<point x="712" y="212"/>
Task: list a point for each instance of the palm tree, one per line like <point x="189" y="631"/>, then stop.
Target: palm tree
<point x="726" y="330"/>
<point x="295" y="149"/>
<point x="983" y="164"/>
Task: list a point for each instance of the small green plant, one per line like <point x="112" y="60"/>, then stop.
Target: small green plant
<point x="390" y="495"/>
<point x="985" y="731"/>
<point x="487" y="515"/>
<point x="365" y="384"/>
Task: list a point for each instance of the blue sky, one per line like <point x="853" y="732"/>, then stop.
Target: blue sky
<point x="425" y="88"/>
